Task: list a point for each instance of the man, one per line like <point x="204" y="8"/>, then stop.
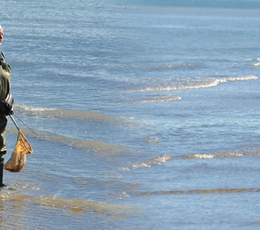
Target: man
<point x="5" y="76"/>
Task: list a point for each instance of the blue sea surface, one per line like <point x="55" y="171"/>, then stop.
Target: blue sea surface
<point x="146" y="114"/>
<point x="220" y="4"/>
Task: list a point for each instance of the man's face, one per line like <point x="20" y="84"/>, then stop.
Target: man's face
<point x="1" y="35"/>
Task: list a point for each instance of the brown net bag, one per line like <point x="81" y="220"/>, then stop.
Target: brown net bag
<point x="18" y="157"/>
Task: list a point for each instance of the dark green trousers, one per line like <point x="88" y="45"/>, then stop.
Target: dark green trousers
<point x="3" y="122"/>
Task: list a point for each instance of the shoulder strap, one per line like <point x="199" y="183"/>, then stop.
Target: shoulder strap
<point x="3" y="62"/>
<point x="2" y="58"/>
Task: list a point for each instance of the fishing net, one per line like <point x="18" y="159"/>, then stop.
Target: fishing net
<point x="18" y="157"/>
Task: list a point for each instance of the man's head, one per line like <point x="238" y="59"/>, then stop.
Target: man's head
<point x="1" y="34"/>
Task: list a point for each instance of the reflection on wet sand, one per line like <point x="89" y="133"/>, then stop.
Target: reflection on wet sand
<point x="99" y="147"/>
<point x="74" y="206"/>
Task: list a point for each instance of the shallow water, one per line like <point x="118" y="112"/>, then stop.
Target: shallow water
<point x="146" y="114"/>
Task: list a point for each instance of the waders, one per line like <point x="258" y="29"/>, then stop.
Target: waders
<point x="1" y="171"/>
<point x="5" y="77"/>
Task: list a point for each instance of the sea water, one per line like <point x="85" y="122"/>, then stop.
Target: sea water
<point x="146" y="114"/>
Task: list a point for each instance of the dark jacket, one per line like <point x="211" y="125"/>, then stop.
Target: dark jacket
<point x="5" y="77"/>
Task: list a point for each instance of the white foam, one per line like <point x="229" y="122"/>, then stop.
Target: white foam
<point x="203" y="84"/>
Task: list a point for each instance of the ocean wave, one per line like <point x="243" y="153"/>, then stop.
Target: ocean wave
<point x="158" y="98"/>
<point x="252" y="152"/>
<point x="200" y="191"/>
<point x="149" y="163"/>
<point x="79" y="114"/>
<point x="150" y="139"/>
<point x="254" y="62"/>
<point x="217" y="155"/>
<point x="213" y="155"/>
<point x="202" y="83"/>
<point x="176" y="66"/>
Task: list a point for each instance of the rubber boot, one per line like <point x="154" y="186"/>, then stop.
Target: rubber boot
<point x="1" y="172"/>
